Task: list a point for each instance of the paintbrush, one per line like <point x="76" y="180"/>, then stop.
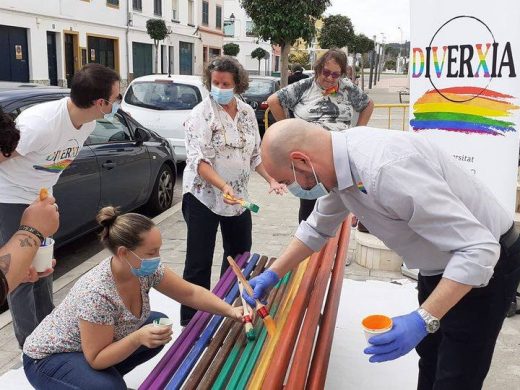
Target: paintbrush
<point x="248" y="321"/>
<point x="245" y="204"/>
<point x="260" y="309"/>
<point x="44" y="193"/>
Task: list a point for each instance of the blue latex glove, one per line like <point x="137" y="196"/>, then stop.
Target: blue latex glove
<point x="407" y="331"/>
<point x="261" y="286"/>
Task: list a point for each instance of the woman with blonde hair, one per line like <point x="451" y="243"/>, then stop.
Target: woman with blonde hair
<point x="104" y="328"/>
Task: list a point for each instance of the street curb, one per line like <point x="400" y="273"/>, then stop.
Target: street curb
<point x="87" y="265"/>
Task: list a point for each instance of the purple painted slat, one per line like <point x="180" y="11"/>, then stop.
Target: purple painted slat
<point x="177" y="352"/>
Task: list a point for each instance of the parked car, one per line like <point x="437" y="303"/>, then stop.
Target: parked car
<point x="122" y="163"/>
<point x="260" y="88"/>
<point x="162" y="103"/>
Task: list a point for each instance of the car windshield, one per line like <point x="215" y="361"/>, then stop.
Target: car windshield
<point x="259" y="87"/>
<point x="162" y="95"/>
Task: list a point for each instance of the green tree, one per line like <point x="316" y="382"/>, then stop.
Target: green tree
<point x="231" y="49"/>
<point x="362" y="45"/>
<point x="259" y="54"/>
<point x="337" y="31"/>
<point x="283" y="22"/>
<point x="299" y="57"/>
<point x="156" y="29"/>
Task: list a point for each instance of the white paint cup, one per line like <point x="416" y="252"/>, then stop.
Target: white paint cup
<point x="163" y="322"/>
<point x="43" y="259"/>
<point x="376" y="324"/>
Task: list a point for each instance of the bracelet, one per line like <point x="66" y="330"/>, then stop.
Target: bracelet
<point x="33" y="231"/>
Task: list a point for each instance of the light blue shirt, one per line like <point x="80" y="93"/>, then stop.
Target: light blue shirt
<point x="416" y="199"/>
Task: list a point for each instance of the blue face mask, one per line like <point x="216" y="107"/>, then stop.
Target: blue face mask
<point x="147" y="268"/>
<point x="315" y="192"/>
<point x="222" y="96"/>
<point x="110" y="115"/>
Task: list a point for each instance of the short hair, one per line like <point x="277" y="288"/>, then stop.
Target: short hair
<point x="338" y="56"/>
<point x="9" y="134"/>
<point x="92" y="82"/>
<point x="297" y="68"/>
<point x="227" y="64"/>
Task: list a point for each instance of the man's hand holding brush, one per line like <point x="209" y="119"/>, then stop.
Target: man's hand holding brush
<point x="261" y="286"/>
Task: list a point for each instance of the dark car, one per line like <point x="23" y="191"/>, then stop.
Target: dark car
<point x="121" y="164"/>
<point x="260" y="88"/>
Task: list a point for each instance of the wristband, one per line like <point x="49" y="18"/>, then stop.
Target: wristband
<point x="33" y="231"/>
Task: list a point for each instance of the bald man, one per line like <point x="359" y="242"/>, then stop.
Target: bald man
<point x="423" y="205"/>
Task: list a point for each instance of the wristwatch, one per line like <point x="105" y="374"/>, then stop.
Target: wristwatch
<point x="432" y="322"/>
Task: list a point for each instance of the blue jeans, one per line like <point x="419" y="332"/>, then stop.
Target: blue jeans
<point x="70" y="370"/>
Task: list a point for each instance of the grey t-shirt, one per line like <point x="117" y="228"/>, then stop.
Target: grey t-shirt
<point x="334" y="112"/>
<point x="94" y="298"/>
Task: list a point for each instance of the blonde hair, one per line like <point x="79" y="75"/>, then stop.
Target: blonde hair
<point x="122" y="229"/>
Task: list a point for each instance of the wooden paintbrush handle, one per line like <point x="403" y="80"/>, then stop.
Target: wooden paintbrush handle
<point x="238" y="272"/>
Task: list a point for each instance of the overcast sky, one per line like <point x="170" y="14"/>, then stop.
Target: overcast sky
<point x="373" y="17"/>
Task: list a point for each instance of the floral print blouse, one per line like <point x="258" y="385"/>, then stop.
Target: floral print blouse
<point x="333" y="112"/>
<point x="230" y="146"/>
<point x="94" y="298"/>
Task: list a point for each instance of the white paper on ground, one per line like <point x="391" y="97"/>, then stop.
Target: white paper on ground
<point x="349" y="366"/>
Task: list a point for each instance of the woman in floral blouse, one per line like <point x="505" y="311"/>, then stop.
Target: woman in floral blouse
<point x="329" y="99"/>
<point x="104" y="328"/>
<point x="223" y="147"/>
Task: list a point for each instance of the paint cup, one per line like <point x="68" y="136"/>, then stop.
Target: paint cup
<point x="163" y="322"/>
<point x="43" y="259"/>
<point x="376" y="324"/>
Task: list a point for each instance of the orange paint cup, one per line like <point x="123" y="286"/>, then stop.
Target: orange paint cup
<point x="376" y="324"/>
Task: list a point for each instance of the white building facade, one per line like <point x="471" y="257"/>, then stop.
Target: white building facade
<point x="48" y="41"/>
<point x="238" y="28"/>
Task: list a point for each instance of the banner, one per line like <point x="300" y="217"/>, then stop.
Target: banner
<point x="464" y="85"/>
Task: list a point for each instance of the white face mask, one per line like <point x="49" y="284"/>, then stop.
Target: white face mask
<point x="110" y="115"/>
<point x="315" y="192"/>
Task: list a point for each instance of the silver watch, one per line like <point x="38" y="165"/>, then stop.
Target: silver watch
<point x="432" y="322"/>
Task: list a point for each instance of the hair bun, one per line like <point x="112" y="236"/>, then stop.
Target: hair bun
<point x="107" y="216"/>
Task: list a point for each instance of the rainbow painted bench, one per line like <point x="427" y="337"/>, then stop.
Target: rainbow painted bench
<point x="213" y="352"/>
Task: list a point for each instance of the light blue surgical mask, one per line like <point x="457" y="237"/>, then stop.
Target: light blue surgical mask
<point x="110" y="115"/>
<point x="315" y="192"/>
<point x="147" y="268"/>
<point x="221" y="95"/>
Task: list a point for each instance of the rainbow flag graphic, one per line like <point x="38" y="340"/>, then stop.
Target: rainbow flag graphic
<point x="487" y="113"/>
<point x="54" y="168"/>
<point x="361" y="187"/>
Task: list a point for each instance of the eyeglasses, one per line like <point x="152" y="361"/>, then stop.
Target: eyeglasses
<point x="328" y="73"/>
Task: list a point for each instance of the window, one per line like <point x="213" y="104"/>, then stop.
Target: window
<point x="229" y="28"/>
<point x="137" y="5"/>
<point x="157" y="7"/>
<point x="218" y="22"/>
<point x="205" y="13"/>
<point x="114" y="3"/>
<point x="163" y="95"/>
<point x="106" y="131"/>
<point x="190" y="12"/>
<point x="250" y="26"/>
<point x="175" y="10"/>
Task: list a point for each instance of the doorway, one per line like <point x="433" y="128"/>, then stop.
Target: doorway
<point x="186" y="58"/>
<point x="15" y="61"/>
<point x="52" y="59"/>
<point x="71" y="43"/>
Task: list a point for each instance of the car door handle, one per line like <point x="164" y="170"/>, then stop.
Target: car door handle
<point x="109" y="165"/>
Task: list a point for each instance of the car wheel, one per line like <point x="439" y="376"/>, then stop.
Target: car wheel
<point x="162" y="193"/>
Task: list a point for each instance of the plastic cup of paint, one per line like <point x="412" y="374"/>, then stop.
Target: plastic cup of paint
<point x="376" y="324"/>
<point x="163" y="322"/>
<point x="43" y="259"/>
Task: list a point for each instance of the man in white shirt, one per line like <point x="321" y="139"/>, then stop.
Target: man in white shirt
<point x="51" y="136"/>
<point x="423" y="205"/>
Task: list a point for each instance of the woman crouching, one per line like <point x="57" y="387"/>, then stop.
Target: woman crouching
<point x="104" y="328"/>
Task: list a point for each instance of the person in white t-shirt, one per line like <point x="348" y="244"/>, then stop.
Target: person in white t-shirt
<point x="51" y="136"/>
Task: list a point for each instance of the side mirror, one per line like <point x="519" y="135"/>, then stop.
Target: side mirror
<point x="141" y="135"/>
